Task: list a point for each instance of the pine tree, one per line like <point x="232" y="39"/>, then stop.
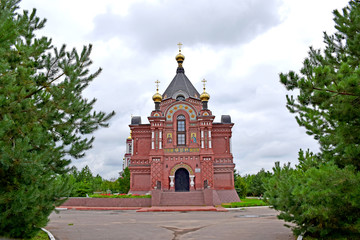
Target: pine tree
<point x="328" y="105"/>
<point x="321" y="195"/>
<point x="44" y="120"/>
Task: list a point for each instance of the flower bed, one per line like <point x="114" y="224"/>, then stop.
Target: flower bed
<point x="108" y="195"/>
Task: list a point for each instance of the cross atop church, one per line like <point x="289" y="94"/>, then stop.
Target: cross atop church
<point x="204" y="82"/>
<point x="157" y="85"/>
<point x="179" y="44"/>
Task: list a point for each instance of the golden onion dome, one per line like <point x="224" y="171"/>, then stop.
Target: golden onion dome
<point x="157" y="97"/>
<point x="204" y="96"/>
<point x="180" y="57"/>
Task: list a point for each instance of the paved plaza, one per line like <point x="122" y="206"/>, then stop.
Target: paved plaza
<point x="248" y="223"/>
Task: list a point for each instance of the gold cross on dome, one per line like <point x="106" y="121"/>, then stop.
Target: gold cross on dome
<point x="179" y="44"/>
<point x="204" y="82"/>
<point x="157" y="85"/>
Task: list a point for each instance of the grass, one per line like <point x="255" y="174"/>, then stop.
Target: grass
<point x="245" y="202"/>
<point x="41" y="236"/>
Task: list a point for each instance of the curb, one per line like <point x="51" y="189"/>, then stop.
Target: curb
<point x="98" y="208"/>
<point x="145" y="209"/>
<point x="51" y="237"/>
<point x="61" y="209"/>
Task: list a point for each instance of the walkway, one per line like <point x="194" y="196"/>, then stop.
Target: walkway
<point x="256" y="223"/>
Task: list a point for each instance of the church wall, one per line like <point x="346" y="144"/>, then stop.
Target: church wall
<point x="144" y="145"/>
<point x="219" y="143"/>
<point x="223" y="180"/>
<point x="140" y="182"/>
<point x="221" y="134"/>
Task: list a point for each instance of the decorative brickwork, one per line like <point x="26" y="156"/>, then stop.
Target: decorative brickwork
<point x="207" y="171"/>
<point x="156" y="172"/>
<point x="181" y="165"/>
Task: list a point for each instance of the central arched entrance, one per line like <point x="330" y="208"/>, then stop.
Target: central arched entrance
<point x="182" y="180"/>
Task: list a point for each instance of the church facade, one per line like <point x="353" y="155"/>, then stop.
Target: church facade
<point x="181" y="149"/>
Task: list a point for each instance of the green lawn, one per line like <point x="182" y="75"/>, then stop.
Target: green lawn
<point x="245" y="202"/>
<point x="41" y="236"/>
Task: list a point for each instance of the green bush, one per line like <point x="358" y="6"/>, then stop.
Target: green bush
<point x="240" y="186"/>
<point x="323" y="201"/>
<point x="255" y="183"/>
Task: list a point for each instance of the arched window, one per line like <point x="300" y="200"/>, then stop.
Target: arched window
<point x="181" y="130"/>
<point x="180" y="98"/>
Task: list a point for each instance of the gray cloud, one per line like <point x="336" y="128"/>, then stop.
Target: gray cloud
<point x="264" y="131"/>
<point x="154" y="26"/>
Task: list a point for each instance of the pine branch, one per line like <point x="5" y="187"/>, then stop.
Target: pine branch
<point x="332" y="91"/>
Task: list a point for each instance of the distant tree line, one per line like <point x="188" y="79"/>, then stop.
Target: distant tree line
<point x="251" y="184"/>
<point x="83" y="182"/>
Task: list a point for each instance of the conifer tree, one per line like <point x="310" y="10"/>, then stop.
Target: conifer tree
<point x="44" y="120"/>
<point x="321" y="195"/>
<point x="328" y="105"/>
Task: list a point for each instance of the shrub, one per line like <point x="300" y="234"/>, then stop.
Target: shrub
<point x="323" y="201"/>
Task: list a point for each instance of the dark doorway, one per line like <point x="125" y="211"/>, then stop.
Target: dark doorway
<point x="182" y="180"/>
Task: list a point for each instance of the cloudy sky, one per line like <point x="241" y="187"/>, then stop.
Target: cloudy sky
<point x="239" y="46"/>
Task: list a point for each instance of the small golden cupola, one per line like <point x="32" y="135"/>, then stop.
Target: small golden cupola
<point x="129" y="137"/>
<point x="180" y="57"/>
<point x="204" y="96"/>
<point x="157" y="98"/>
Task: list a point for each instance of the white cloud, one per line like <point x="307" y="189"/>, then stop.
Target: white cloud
<point x="238" y="46"/>
<point x="151" y="26"/>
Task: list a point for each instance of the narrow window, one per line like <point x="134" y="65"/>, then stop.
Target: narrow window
<point x="181" y="130"/>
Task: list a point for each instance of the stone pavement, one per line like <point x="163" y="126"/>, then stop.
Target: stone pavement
<point x="249" y="223"/>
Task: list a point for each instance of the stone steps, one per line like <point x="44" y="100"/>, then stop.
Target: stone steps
<point x="194" y="198"/>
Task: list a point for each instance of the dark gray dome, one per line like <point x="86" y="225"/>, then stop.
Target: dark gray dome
<point x="135" y="120"/>
<point x="225" y="119"/>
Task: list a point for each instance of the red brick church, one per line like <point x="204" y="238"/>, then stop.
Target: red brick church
<point x="182" y="149"/>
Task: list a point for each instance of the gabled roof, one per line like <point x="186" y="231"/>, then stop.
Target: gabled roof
<point x="181" y="84"/>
